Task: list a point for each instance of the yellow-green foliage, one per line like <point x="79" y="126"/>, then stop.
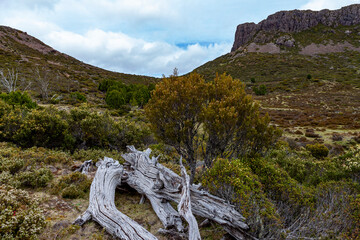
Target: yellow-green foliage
<point x="35" y="178"/>
<point x="304" y="168"/>
<point x="318" y="150"/>
<point x="218" y="117"/>
<point x="235" y="182"/>
<point x="81" y="128"/>
<point x="18" y="98"/>
<point x="73" y="185"/>
<point x="20" y="217"/>
<point x="350" y="162"/>
<point x="44" y="128"/>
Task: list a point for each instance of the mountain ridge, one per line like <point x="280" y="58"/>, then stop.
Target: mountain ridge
<point x="26" y="54"/>
<point x="293" y="22"/>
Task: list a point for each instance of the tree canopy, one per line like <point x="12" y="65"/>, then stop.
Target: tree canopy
<point x="208" y="119"/>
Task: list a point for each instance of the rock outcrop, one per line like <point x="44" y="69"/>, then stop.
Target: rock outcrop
<point x="294" y="21"/>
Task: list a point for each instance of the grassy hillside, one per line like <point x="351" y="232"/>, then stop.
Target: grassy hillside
<point x="20" y="51"/>
<point x="304" y="186"/>
<point x="319" y="90"/>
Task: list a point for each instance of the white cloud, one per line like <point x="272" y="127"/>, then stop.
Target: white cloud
<point x="328" y="4"/>
<point x="141" y="36"/>
<point x="119" y="52"/>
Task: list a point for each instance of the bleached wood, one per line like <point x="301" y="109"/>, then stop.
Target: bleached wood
<point x="161" y="185"/>
<point x="143" y="175"/>
<point x="85" y="167"/>
<point x="184" y="206"/>
<point x="102" y="208"/>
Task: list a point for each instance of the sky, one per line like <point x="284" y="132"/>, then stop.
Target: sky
<point x="145" y="37"/>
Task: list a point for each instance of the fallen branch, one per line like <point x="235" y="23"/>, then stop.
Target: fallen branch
<point x="184" y="207"/>
<point x="102" y="208"/>
<point x="162" y="185"/>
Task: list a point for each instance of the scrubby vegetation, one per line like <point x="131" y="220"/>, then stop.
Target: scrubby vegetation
<point x="20" y="216"/>
<point x="119" y="94"/>
<point x="81" y="128"/>
<point x="305" y="186"/>
<point x="73" y="185"/>
<point x="289" y="195"/>
<point x="217" y="118"/>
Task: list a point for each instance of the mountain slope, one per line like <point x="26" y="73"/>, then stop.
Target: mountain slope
<point x="308" y="61"/>
<point x="20" y="51"/>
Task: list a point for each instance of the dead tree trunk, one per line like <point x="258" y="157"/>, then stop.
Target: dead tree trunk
<point x="161" y="185"/>
<point x="102" y="208"/>
<point x="184" y="207"/>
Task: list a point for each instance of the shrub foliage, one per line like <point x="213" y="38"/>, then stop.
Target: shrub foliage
<point x="20" y="217"/>
<point x="218" y="117"/>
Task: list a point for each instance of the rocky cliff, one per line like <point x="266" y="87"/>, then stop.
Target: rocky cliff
<point x="292" y="22"/>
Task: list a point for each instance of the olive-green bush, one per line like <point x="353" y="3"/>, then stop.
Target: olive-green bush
<point x="73" y="185"/>
<point x="318" y="150"/>
<point x="119" y="94"/>
<point x="18" y="98"/>
<point x="235" y="182"/>
<point x="35" y="178"/>
<point x="43" y="128"/>
<point x="79" y="129"/>
<point x="20" y="217"/>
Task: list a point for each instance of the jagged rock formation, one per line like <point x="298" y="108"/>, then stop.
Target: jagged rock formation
<point x="292" y="22"/>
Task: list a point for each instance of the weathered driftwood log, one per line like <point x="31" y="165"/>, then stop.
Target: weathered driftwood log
<point x="142" y="176"/>
<point x="184" y="207"/>
<point x="102" y="208"/>
<point x="161" y="185"/>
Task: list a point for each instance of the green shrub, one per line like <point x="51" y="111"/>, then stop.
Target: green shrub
<point x="18" y="98"/>
<point x="354" y="230"/>
<point x="334" y="202"/>
<point x="116" y="98"/>
<point x="302" y="167"/>
<point x="4" y="108"/>
<point x="20" y="217"/>
<point x="43" y="128"/>
<point x="349" y="162"/>
<point x="7" y="178"/>
<point x="73" y="185"/>
<point x="81" y="128"/>
<point x="235" y="182"/>
<point x="106" y="84"/>
<point x="252" y="80"/>
<point x="78" y="97"/>
<point x="318" y="150"/>
<point x="13" y="165"/>
<point x="11" y="123"/>
<point x="35" y="179"/>
<point x="119" y="94"/>
<point x="261" y="90"/>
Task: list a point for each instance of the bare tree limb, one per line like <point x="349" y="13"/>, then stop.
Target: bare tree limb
<point x="9" y="81"/>
<point x="184" y="207"/>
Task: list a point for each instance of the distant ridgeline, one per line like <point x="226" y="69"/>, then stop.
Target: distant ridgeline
<point x="307" y="32"/>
